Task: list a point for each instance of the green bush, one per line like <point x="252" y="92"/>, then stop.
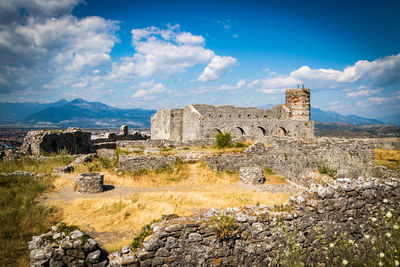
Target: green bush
<point x="325" y="169"/>
<point x="223" y="140"/>
<point x="225" y="226"/>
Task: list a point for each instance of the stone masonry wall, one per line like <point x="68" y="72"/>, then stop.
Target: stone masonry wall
<point x="75" y="141"/>
<point x="294" y="159"/>
<point x="259" y="235"/>
<point x="139" y="162"/>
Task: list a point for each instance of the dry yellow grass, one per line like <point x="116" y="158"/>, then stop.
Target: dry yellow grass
<point x="178" y="175"/>
<point x="388" y="158"/>
<point x="61" y="182"/>
<point x="128" y="214"/>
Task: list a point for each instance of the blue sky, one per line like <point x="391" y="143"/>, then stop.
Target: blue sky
<point x="162" y="54"/>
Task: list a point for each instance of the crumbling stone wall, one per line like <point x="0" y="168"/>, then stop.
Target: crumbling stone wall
<point x="294" y="159"/>
<point x="195" y="121"/>
<point x="75" y="141"/>
<point x="258" y="235"/>
<point x="139" y="162"/>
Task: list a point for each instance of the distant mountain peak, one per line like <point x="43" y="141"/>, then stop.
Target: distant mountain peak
<point x="78" y="101"/>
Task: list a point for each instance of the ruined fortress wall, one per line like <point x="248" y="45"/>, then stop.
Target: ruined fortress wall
<point x="298" y="101"/>
<point x="294" y="159"/>
<point x="257" y="129"/>
<point x="167" y="124"/>
<point x="258" y="236"/>
<point x="191" y="124"/>
<point x="74" y="141"/>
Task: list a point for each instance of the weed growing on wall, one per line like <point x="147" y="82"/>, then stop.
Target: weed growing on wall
<point x="223" y="140"/>
<point x="225" y="226"/>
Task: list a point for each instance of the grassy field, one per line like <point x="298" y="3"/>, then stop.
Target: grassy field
<point x="388" y="158"/>
<point x="21" y="216"/>
<point x="39" y="165"/>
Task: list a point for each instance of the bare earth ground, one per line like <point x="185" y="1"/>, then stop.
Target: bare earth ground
<point x="116" y="215"/>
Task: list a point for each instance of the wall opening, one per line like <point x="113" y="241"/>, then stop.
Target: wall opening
<point x="280" y="131"/>
<point x="259" y="131"/>
<point x="214" y="132"/>
<point x="237" y="131"/>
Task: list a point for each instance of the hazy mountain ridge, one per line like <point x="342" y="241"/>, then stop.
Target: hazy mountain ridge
<point x="82" y="113"/>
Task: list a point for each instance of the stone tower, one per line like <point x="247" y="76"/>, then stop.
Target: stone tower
<point x="298" y="101"/>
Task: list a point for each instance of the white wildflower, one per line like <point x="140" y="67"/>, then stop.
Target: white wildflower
<point x="374" y="219"/>
<point x="381" y="254"/>
<point x="380" y="263"/>
<point x="331" y="245"/>
<point x="366" y="236"/>
<point x="385" y="201"/>
<point x="389" y="214"/>
<point x="345" y="262"/>
<point x="396" y="263"/>
<point x="388" y="235"/>
<point x="395" y="227"/>
<point x="351" y="242"/>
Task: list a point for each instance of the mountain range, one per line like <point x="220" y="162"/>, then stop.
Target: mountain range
<point x="86" y="114"/>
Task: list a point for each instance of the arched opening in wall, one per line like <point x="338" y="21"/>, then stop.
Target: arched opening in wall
<point x="259" y="132"/>
<point x="280" y="131"/>
<point x="237" y="131"/>
<point x="214" y="132"/>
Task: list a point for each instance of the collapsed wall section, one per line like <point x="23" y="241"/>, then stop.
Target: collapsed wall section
<point x="294" y="159"/>
<point x="74" y="141"/>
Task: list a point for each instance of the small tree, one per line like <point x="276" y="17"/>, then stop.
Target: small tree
<point x="223" y="140"/>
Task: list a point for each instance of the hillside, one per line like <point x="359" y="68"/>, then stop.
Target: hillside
<point x="86" y="114"/>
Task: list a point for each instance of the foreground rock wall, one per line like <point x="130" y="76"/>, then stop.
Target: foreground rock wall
<point x="75" y="141"/>
<point x="260" y="235"/>
<point x="294" y="159"/>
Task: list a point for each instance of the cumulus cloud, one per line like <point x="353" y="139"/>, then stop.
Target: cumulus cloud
<point x="363" y="74"/>
<point x="278" y="84"/>
<point x="380" y="100"/>
<point x="37" y="47"/>
<point x="364" y="92"/>
<point x="147" y="90"/>
<point x="238" y="85"/>
<point x="217" y="67"/>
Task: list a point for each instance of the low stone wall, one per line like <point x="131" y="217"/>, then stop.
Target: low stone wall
<point x="294" y="159"/>
<point x="63" y="247"/>
<point x="259" y="235"/>
<point x="164" y="142"/>
<point x="139" y="162"/>
<point x="75" y="141"/>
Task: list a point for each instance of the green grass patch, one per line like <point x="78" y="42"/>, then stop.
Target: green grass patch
<point x="36" y="164"/>
<point x="22" y="216"/>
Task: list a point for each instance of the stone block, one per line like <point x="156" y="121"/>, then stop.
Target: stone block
<point x="252" y="175"/>
<point x="90" y="182"/>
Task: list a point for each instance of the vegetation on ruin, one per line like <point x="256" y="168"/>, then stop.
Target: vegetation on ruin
<point x="225" y="226"/>
<point x="387" y="158"/>
<point x="272" y="178"/>
<point x="144" y="232"/>
<point x="223" y="140"/>
<point x="43" y="165"/>
<point x="378" y="246"/>
<point x="22" y="216"/>
<point x="324" y="168"/>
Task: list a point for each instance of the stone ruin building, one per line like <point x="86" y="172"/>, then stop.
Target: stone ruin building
<point x="198" y="121"/>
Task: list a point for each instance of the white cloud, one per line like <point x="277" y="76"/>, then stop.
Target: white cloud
<point x="364" y="92"/>
<point x="235" y="35"/>
<point x="190" y="39"/>
<point x="382" y="71"/>
<point x="216" y="68"/>
<point x="238" y="85"/>
<point x="380" y="100"/>
<point x="278" y="84"/>
<point x="147" y="90"/>
<point x="253" y="83"/>
<point x="162" y="52"/>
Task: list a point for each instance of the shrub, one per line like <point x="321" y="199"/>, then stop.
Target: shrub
<point x="225" y="226"/>
<point x="240" y="144"/>
<point x="325" y="169"/>
<point x="223" y="140"/>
